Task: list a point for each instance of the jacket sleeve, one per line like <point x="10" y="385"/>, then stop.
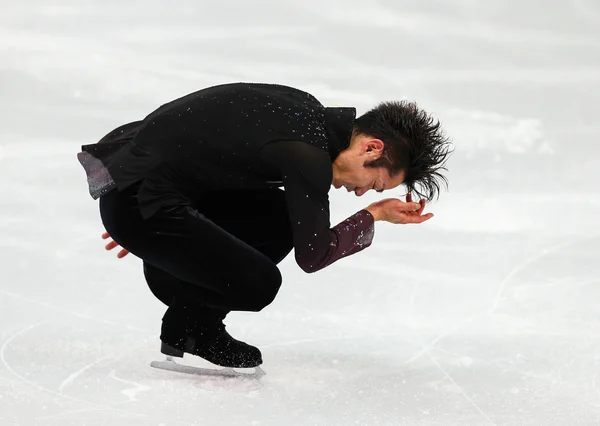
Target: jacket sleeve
<point x="306" y="174"/>
<point x="95" y="158"/>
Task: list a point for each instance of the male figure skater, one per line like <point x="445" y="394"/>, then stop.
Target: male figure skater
<point x="214" y="189"/>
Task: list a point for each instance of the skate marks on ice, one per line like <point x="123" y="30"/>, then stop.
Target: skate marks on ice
<point x="88" y="385"/>
<point x="429" y="348"/>
<point x="73" y="376"/>
<point x="543" y="253"/>
<point x="500" y="290"/>
<point x="57" y="308"/>
<point x="80" y="360"/>
<point x="90" y="406"/>
<point x="132" y="392"/>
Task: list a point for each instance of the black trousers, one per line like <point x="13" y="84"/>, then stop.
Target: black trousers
<point x="219" y="255"/>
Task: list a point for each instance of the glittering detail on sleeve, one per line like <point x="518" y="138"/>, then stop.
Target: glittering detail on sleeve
<point x="99" y="179"/>
<point x="348" y="237"/>
<point x="95" y="157"/>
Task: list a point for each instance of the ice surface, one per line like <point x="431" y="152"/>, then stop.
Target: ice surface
<point x="488" y="314"/>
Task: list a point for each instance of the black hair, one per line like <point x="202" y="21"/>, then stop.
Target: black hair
<point x="413" y="142"/>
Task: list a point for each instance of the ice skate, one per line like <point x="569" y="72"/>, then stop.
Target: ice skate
<point x="212" y="343"/>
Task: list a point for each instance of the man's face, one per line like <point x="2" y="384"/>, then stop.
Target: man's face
<point x="357" y="178"/>
<point x="363" y="179"/>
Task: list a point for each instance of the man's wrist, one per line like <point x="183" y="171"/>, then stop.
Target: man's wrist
<point x="376" y="213"/>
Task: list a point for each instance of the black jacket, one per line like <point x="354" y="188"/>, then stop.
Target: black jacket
<point x="238" y="136"/>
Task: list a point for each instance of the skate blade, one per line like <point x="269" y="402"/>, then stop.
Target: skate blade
<point x="170" y="365"/>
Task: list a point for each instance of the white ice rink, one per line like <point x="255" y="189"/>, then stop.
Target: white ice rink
<point x="489" y="314"/>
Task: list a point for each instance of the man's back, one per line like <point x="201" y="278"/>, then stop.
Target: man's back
<point x="231" y="117"/>
<point x="212" y="139"/>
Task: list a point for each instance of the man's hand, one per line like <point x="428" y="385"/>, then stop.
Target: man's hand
<point x="397" y="211"/>
<point x="114" y="244"/>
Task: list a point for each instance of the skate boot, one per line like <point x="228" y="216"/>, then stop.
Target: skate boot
<point x="201" y="332"/>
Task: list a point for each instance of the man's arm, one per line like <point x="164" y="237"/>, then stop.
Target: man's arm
<point x="307" y="174"/>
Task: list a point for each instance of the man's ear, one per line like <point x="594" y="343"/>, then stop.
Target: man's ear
<point x="373" y="146"/>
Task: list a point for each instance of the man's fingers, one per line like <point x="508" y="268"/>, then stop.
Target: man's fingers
<point x="419" y="219"/>
<point x="423" y="218"/>
<point x="422" y="202"/>
<point x="409" y="207"/>
<point x="114" y="244"/>
<point x="111" y="245"/>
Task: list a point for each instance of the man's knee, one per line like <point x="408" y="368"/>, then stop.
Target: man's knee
<point x="266" y="291"/>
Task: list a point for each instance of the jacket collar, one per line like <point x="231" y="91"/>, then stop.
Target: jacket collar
<point x="339" y="123"/>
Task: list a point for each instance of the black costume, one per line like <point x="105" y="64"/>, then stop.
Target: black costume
<point x="194" y="190"/>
